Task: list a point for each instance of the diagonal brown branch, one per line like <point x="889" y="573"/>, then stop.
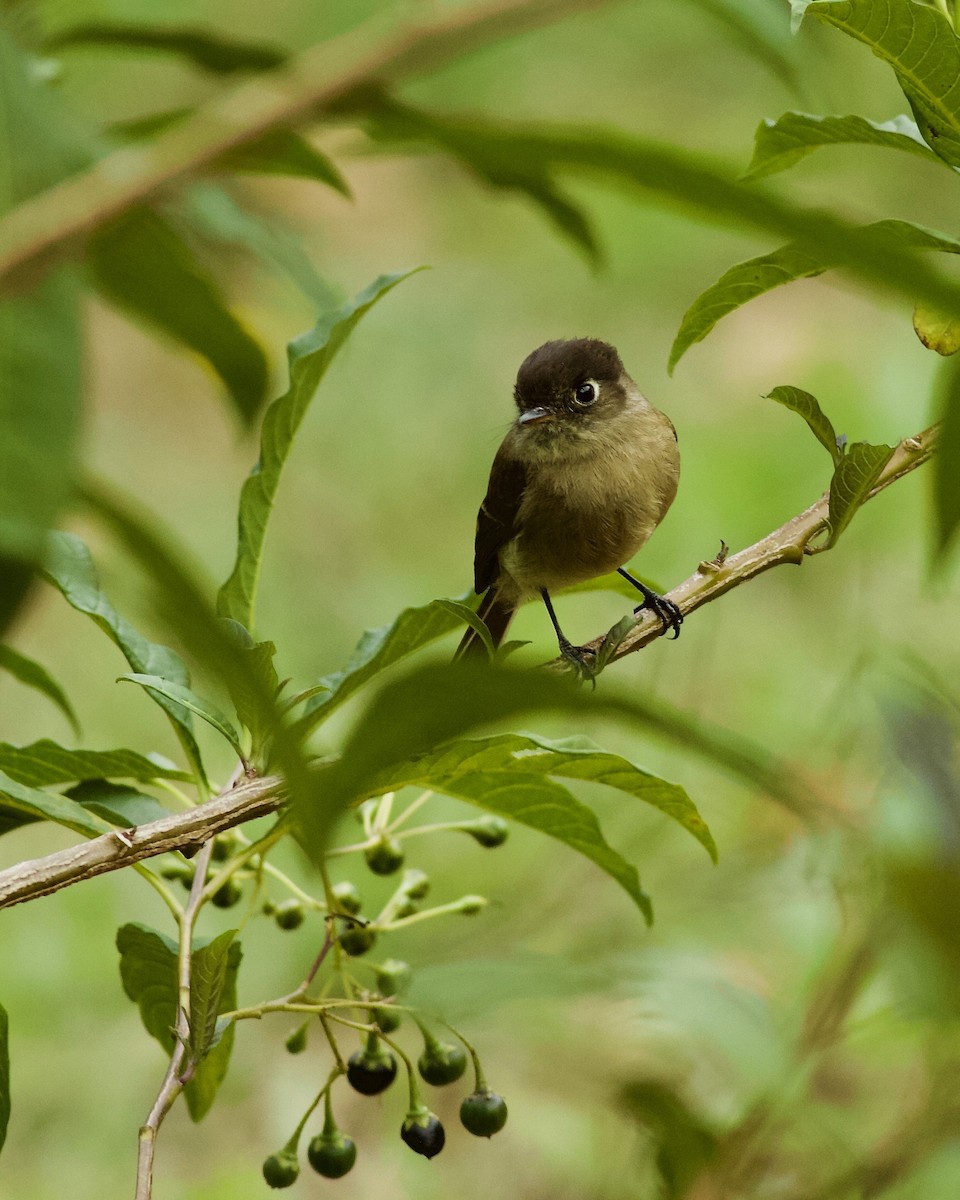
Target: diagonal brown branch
<point x="315" y="80"/>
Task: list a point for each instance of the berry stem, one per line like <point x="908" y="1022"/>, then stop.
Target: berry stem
<point x="481" y="1083"/>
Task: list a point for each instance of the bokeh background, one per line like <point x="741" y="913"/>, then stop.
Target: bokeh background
<point x="840" y="667"/>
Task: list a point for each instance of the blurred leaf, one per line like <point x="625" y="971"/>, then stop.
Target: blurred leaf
<point x="936" y="331"/>
<point x="118" y="803"/>
<point x="758" y="29"/>
<point x="378" y="649"/>
<point x="148" y="970"/>
<point x="684" y="1143"/>
<point x="919" y="44"/>
<point x="946" y="463"/>
<point x="853" y="478"/>
<point x="43" y="763"/>
<point x="202" y="47"/>
<point x="753" y="278"/>
<point x="802" y="402"/>
<point x="17" y="800"/>
<point x="140" y="263"/>
<point x="31" y="673"/>
<point x="4" y="1074"/>
<point x="613" y="582"/>
<point x="469" y="615"/>
<point x="309" y="357"/>
<point x="204" y="709"/>
<point x="70" y="568"/>
<point x="283" y="152"/>
<point x="476" y="987"/>
<point x="781" y="143"/>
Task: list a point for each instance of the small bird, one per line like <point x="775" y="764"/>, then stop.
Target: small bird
<point x="583" y="477"/>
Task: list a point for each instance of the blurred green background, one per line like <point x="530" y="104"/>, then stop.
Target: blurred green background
<point x="376" y="513"/>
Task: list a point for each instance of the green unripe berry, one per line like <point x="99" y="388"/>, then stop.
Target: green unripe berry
<point x="483" y="1113"/>
<point x="385" y="856"/>
<point x="365" y="812"/>
<point x="489" y="831"/>
<point x="177" y="869"/>
<point x="296" y="1043"/>
<point x="423" y="1132"/>
<point x="289" y="914"/>
<point x="225" y="844"/>
<point x="227" y="895"/>
<point x="357" y="940"/>
<point x="387" y="1018"/>
<point x="393" y="977"/>
<point x="471" y="905"/>
<point x="404" y="908"/>
<point x="332" y="1155"/>
<point x="442" y="1063"/>
<point x="371" y="1072"/>
<point x="281" y="1170"/>
<point x="416" y="884"/>
<point x="347" y="897"/>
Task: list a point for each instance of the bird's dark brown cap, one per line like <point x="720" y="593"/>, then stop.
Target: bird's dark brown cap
<point x="556" y="368"/>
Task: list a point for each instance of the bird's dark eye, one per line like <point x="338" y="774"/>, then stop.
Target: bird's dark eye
<point x="586" y="392"/>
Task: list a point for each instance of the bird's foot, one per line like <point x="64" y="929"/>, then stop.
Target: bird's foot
<point x="670" y="615"/>
<point x="580" y="660"/>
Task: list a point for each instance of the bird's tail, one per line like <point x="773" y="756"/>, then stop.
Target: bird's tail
<point x="496" y="616"/>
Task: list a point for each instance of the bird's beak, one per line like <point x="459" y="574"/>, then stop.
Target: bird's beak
<point x="534" y="416"/>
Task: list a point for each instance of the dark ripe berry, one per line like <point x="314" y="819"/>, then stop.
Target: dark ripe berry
<point x="489" y="831"/>
<point x="483" y="1113"/>
<point x="423" y="1133"/>
<point x="347" y="897"/>
<point x="289" y="914"/>
<point x="416" y="883"/>
<point x="393" y="977"/>
<point x="228" y="894"/>
<point x="332" y="1155"/>
<point x="384" y="856"/>
<point x="387" y="1018"/>
<point x="357" y="940"/>
<point x="371" y="1073"/>
<point x="281" y="1170"/>
<point x="442" y="1063"/>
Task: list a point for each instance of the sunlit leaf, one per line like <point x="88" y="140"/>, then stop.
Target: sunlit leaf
<point x="202" y="708"/>
<point x="946" y="463"/>
<point x="32" y="674"/>
<point x="118" y="803"/>
<point x="916" y="40"/>
<point x="756" y="276"/>
<point x="203" y="47"/>
<point x="148" y="969"/>
<point x="18" y="801"/>
<point x="937" y="331"/>
<point x="781" y="143"/>
<point x="309" y="356"/>
<point x="853" y="478"/>
<point x="4" y="1074"/>
<point x="807" y="406"/>
<point x="44" y="763"/>
<point x="69" y="567"/>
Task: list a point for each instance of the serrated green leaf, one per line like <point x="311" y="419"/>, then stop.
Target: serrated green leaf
<point x="30" y="673"/>
<point x="283" y="152"/>
<point x="69" y="567"/>
<point x="802" y="402"/>
<point x="309" y="357"/>
<point x="855" y="475"/>
<point x="118" y="803"/>
<point x="936" y="331"/>
<point x="917" y="41"/>
<point x="18" y="801"/>
<point x="4" y="1074"/>
<point x="756" y="276"/>
<point x="140" y="263"/>
<point x="148" y="970"/>
<point x="44" y="762"/>
<point x="781" y="143"/>
<point x="378" y="649"/>
<point x="205" y="49"/>
<point x="202" y="708"/>
<point x="946" y="462"/>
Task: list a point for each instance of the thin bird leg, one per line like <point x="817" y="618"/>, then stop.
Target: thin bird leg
<point x="574" y="655"/>
<point x="670" y="616"/>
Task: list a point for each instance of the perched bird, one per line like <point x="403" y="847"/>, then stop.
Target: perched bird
<point x="583" y="477"/>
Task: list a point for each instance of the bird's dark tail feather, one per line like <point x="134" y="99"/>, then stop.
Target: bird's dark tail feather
<point x="496" y="616"/>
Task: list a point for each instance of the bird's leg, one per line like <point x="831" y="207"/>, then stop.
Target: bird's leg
<point x="575" y="655"/>
<point x="670" y="616"/>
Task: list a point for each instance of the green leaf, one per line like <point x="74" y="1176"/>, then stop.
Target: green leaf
<point x="758" y="29"/>
<point x="935" y="330"/>
<point x="44" y="762"/>
<point x="378" y="649"/>
<point x="781" y="143"/>
<point x="467" y="614"/>
<point x="855" y="475"/>
<point x="4" y="1074"/>
<point x="260" y="657"/>
<point x="756" y="276"/>
<point x="611" y="583"/>
<point x="309" y="357"/>
<point x="148" y="970"/>
<point x="69" y="567"/>
<point x="283" y="152"/>
<point x="18" y="801"/>
<point x="946" y="462"/>
<point x="140" y="263"/>
<point x="684" y="1142"/>
<point x="204" y="709"/>
<point x="118" y="803"/>
<point x="205" y="49"/>
<point x="919" y="44"/>
<point x="802" y="402"/>
<point x="33" y="675"/>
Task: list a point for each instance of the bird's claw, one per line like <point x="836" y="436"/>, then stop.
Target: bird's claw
<point x="670" y="615"/>
<point x="580" y="660"/>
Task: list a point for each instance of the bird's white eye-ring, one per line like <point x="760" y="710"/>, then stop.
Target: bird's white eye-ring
<point x="585" y="393"/>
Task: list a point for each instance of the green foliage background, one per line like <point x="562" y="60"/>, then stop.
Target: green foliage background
<point x="822" y="665"/>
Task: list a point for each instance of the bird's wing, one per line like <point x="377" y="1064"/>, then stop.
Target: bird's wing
<point x="497" y="518"/>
